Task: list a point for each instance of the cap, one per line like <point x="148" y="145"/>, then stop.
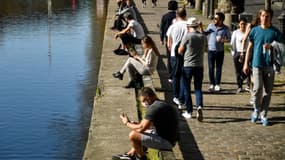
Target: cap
<point x="192" y="22"/>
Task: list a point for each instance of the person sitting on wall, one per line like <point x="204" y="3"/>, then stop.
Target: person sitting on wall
<point x="157" y="130"/>
<point x="132" y="34"/>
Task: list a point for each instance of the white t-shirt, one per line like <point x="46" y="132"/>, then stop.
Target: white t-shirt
<point x="137" y="29"/>
<point x="176" y="32"/>
<point x="236" y="42"/>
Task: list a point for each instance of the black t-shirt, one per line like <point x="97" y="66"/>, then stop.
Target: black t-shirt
<point x="165" y="120"/>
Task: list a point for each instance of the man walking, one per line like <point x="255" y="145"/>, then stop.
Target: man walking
<point x="166" y="21"/>
<point x="175" y="33"/>
<point x="194" y="43"/>
<point x="218" y="34"/>
<point x="260" y="39"/>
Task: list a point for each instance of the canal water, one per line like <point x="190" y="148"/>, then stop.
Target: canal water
<point x="49" y="58"/>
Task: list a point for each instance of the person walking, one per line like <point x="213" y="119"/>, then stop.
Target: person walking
<point x="158" y="129"/>
<point x="166" y="21"/>
<point x="218" y="34"/>
<point x="238" y="53"/>
<point x="175" y="33"/>
<point x="194" y="42"/>
<point x="260" y="39"/>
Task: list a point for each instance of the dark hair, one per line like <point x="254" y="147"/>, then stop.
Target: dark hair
<point x="172" y="5"/>
<point x="181" y="12"/>
<point x="128" y="16"/>
<point x="243" y="19"/>
<point x="148" y="92"/>
<point x="221" y="16"/>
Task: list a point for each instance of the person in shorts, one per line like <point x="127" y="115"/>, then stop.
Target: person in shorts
<point x="158" y="129"/>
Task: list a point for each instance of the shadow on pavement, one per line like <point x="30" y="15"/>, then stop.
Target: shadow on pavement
<point x="187" y="143"/>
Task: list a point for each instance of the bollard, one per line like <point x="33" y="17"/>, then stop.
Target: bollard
<point x="281" y="19"/>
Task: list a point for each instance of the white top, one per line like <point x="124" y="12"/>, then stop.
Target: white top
<point x="137" y="29"/>
<point x="236" y="42"/>
<point x="151" y="59"/>
<point x="176" y="32"/>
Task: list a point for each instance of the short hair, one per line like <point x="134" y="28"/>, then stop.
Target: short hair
<point x="172" y="5"/>
<point x="181" y="12"/>
<point x="128" y="15"/>
<point x="221" y="16"/>
<point x="147" y="92"/>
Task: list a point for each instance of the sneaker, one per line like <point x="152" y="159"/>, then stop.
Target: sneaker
<point x="254" y="117"/>
<point x="199" y="114"/>
<point x="251" y="100"/>
<point x="187" y="115"/>
<point x="239" y="90"/>
<point x="176" y="101"/>
<point x="247" y="88"/>
<point x="211" y="88"/>
<point x="264" y="121"/>
<point x="217" y="88"/>
<point x="122" y="157"/>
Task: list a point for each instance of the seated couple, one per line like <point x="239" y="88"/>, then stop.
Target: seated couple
<point x="144" y="65"/>
<point x="158" y="129"/>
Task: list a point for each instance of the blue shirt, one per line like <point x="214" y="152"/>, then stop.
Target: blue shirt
<point x="213" y="31"/>
<point x="259" y="36"/>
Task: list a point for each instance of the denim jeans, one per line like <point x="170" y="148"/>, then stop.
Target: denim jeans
<point x="197" y="73"/>
<point x="263" y="79"/>
<point x="215" y="61"/>
<point x="177" y="85"/>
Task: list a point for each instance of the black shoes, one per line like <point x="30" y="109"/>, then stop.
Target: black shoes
<point x="118" y="75"/>
<point x="131" y="85"/>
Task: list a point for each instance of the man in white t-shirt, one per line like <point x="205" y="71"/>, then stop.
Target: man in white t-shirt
<point x="175" y="34"/>
<point x="132" y="34"/>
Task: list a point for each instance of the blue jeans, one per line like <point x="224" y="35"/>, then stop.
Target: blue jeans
<point x="177" y="85"/>
<point x="215" y="61"/>
<point x="197" y="73"/>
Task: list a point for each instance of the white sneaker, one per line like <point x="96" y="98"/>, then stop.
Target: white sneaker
<point x="211" y="88"/>
<point x="176" y="101"/>
<point x="239" y="90"/>
<point x="217" y="88"/>
<point x="187" y="115"/>
<point x="199" y="114"/>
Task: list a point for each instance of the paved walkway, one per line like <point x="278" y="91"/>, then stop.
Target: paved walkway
<point x="225" y="133"/>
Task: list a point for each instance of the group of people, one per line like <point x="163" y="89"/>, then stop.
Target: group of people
<point x="186" y="41"/>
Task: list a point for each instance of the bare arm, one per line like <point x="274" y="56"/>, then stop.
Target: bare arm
<point x="139" y="127"/>
<point x="181" y="50"/>
<point x="247" y="56"/>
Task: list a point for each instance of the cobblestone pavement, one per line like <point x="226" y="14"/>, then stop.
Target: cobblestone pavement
<point x="226" y="132"/>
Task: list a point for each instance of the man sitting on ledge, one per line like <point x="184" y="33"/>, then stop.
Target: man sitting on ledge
<point x="157" y="130"/>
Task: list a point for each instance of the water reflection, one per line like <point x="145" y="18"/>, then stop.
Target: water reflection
<point x="48" y="66"/>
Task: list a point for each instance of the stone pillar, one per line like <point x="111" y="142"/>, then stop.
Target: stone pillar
<point x="267" y="4"/>
<point x="281" y="19"/>
<point x="228" y="20"/>
<point x="205" y="9"/>
<point x="198" y="4"/>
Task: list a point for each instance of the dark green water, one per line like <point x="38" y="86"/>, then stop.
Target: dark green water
<point x="48" y="72"/>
